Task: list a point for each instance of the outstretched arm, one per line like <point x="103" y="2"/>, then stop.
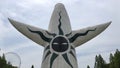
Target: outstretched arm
<point x="37" y="35"/>
<point x="81" y="36"/>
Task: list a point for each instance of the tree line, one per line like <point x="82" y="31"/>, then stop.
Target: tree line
<point x="4" y="63"/>
<point x="114" y="61"/>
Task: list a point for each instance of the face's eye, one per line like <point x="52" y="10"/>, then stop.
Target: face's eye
<point x="55" y="43"/>
<point x="64" y="43"/>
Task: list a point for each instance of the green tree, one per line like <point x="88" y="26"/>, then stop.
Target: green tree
<point x="88" y="66"/>
<point x="32" y="66"/>
<point x="3" y="61"/>
<point x="111" y="61"/>
<point x="4" y="64"/>
<point x="96" y="58"/>
<point x="99" y="62"/>
<point x="117" y="59"/>
<point x="114" y="61"/>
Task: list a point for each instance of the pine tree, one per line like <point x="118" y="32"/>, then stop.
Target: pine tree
<point x="99" y="62"/>
<point x="96" y="58"/>
<point x="3" y="61"/>
<point x="88" y="66"/>
<point x="117" y="59"/>
<point x="32" y="66"/>
<point x="114" y="61"/>
<point x="111" y="61"/>
<point x="4" y="64"/>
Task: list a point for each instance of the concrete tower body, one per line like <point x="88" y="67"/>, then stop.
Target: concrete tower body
<point x="59" y="41"/>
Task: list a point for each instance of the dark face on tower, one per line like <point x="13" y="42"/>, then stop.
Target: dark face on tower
<point x="60" y="44"/>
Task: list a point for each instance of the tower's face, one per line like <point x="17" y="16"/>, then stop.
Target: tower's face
<point x="60" y="44"/>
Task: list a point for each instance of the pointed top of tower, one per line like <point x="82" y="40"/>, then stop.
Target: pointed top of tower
<point x="59" y="5"/>
<point x="60" y="23"/>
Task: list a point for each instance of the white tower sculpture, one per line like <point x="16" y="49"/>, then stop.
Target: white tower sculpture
<point x="59" y="41"/>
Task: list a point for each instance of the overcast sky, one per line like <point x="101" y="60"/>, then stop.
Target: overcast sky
<point x="82" y="13"/>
